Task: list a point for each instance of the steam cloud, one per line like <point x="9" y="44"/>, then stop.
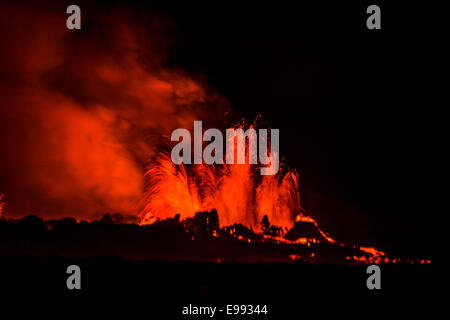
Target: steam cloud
<point x="81" y="111"/>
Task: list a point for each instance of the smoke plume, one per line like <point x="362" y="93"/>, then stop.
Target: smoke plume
<point x="82" y="110"/>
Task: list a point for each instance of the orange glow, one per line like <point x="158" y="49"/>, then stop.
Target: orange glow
<point x="2" y="204"/>
<point x="303" y="218"/>
<point x="294" y="257"/>
<point x="297" y="241"/>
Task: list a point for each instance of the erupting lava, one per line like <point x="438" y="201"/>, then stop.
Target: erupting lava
<point x="241" y="196"/>
<point x="237" y="191"/>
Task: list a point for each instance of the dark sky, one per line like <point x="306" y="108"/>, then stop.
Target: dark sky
<point x="350" y="103"/>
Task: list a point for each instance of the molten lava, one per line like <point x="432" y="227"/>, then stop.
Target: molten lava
<point x="236" y="191"/>
<point x="239" y="194"/>
<point x="243" y="199"/>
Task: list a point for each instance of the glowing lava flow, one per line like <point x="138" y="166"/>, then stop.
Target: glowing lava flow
<point x="311" y="220"/>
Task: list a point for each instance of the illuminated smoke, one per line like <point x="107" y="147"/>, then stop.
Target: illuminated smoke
<point x="81" y="110"/>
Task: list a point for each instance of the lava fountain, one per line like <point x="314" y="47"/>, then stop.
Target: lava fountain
<point x="237" y="191"/>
